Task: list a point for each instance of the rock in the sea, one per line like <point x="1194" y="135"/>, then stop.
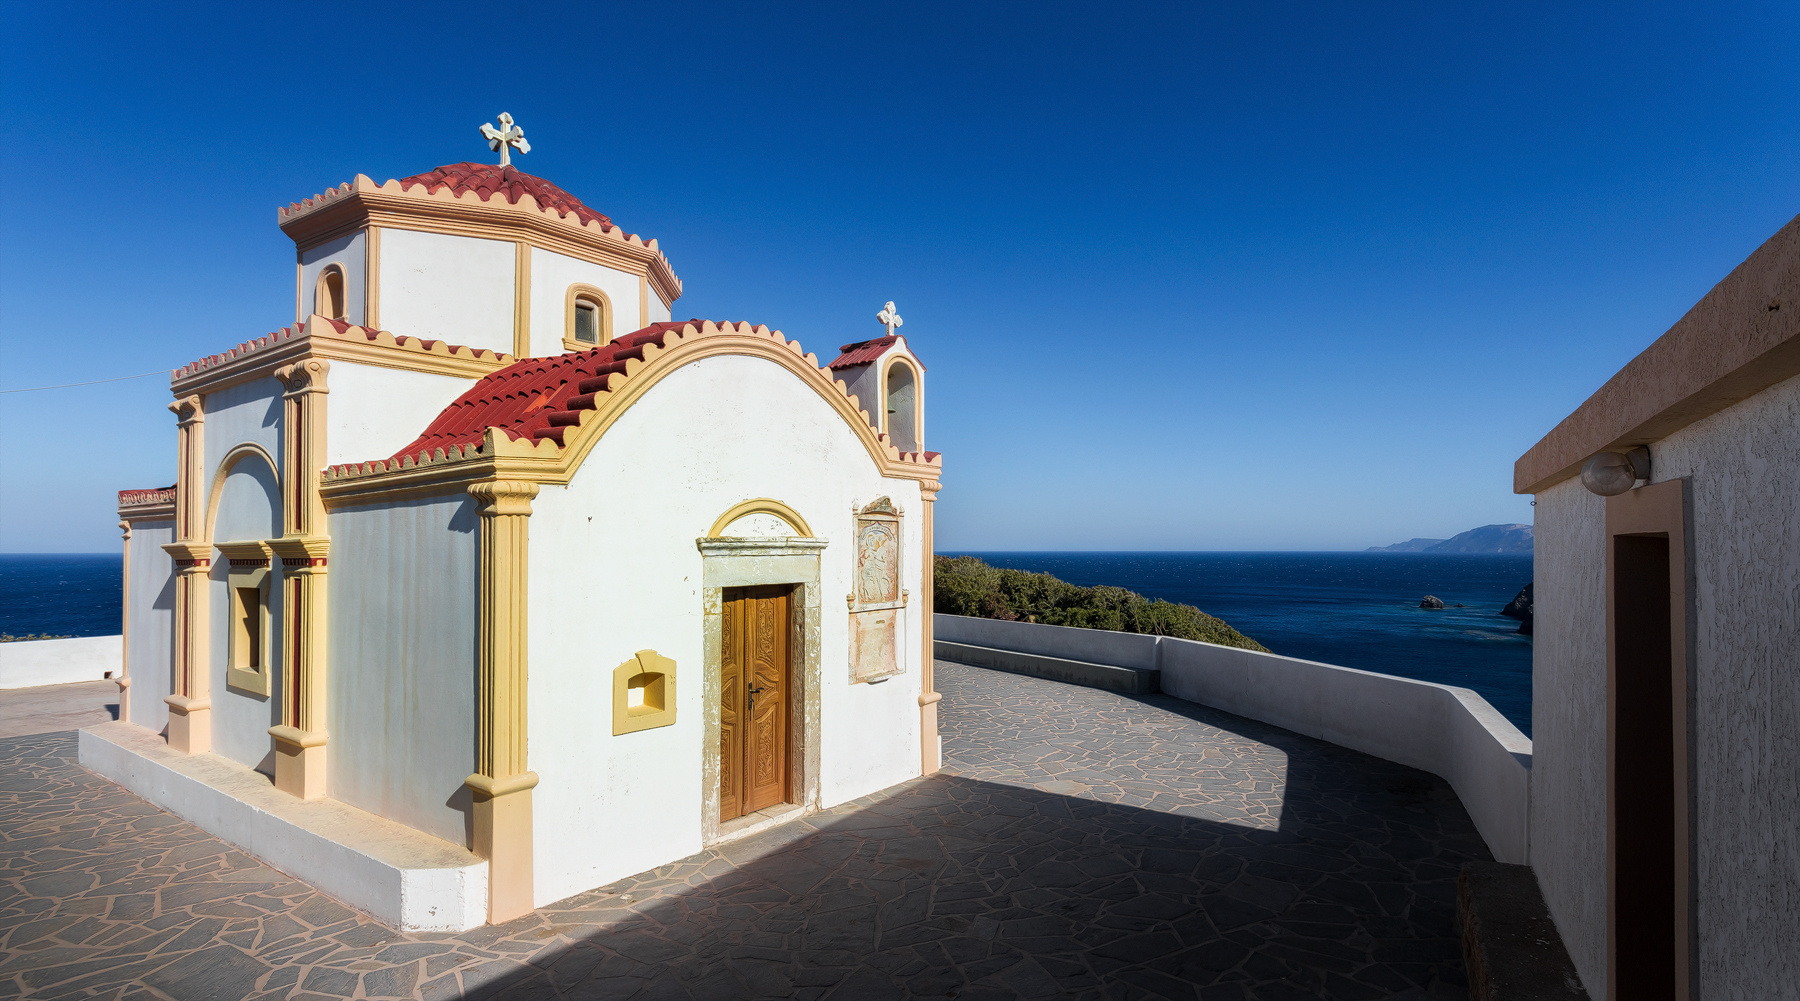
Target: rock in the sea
<point x="1431" y="601"/>
<point x="1520" y="608"/>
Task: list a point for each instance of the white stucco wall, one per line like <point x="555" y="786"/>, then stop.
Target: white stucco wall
<point x="451" y="288"/>
<point x="614" y="569"/>
<point x="150" y="620"/>
<point x="349" y="253"/>
<point x="249" y="412"/>
<point x="1744" y="467"/>
<point x="373" y="412"/>
<point x="1568" y="720"/>
<point x="864" y="383"/>
<point x="249" y="510"/>
<point x="1743" y="464"/>
<point x="402" y="656"/>
<point x="551" y="276"/>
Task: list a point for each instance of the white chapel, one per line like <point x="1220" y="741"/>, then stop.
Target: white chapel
<point x="486" y="582"/>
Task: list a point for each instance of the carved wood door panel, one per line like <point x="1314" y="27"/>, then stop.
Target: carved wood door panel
<point x="753" y="707"/>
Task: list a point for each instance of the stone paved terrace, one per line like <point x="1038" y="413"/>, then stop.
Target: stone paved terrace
<point x="1078" y="844"/>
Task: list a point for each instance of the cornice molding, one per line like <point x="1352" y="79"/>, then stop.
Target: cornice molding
<point x="319" y="337"/>
<point x="500" y="456"/>
<point x="361" y="203"/>
<point x="147" y="505"/>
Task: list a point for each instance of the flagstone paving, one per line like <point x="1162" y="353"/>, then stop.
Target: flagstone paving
<point x="1077" y="844"/>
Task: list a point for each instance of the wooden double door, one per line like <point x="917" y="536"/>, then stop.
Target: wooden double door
<point x="756" y="682"/>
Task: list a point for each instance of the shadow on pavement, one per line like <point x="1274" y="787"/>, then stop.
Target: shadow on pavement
<point x="953" y="886"/>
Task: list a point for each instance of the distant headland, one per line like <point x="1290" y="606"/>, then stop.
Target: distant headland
<point x="1486" y="539"/>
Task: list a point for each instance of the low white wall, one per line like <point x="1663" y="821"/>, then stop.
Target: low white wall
<point x="1095" y="646"/>
<point x="1450" y="732"/>
<point x="31" y="663"/>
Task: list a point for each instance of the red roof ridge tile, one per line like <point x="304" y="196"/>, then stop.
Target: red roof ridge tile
<point x="451" y="184"/>
<point x="342" y="328"/>
<point x="863" y="352"/>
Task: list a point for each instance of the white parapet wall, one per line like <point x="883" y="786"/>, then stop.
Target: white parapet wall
<point x="1451" y="732"/>
<point x="405" y="878"/>
<point x="30" y="663"/>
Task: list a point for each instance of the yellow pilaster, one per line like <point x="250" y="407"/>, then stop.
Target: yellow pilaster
<point x="300" y="738"/>
<point x="190" y="707"/>
<point x="125" y="628"/>
<point x="521" y="300"/>
<point x="929" y="759"/>
<point x="502" y="782"/>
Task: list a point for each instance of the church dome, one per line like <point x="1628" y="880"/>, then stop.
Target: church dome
<point x="487" y="180"/>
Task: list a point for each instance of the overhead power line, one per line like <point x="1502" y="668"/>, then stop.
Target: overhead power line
<point x="96" y="382"/>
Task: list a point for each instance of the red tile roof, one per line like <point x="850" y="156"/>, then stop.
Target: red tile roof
<point x="862" y="352"/>
<point x="487" y="180"/>
<point x="537" y="398"/>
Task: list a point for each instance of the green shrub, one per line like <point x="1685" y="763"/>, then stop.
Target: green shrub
<point x="964" y="585"/>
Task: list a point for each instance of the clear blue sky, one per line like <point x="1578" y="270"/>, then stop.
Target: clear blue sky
<point x="1252" y="277"/>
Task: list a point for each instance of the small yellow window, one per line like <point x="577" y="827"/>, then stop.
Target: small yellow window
<point x="588" y="322"/>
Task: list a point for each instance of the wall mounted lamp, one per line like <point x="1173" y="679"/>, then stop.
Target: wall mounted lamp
<point x="1612" y="473"/>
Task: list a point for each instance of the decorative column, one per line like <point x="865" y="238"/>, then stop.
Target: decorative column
<point x="502" y="783"/>
<point x="190" y="707"/>
<point x="304" y="549"/>
<point x="930" y="759"/>
<point x="125" y="630"/>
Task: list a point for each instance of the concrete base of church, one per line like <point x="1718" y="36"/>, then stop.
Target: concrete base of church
<point x="400" y="876"/>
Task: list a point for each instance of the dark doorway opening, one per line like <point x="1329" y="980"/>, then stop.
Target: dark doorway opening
<point x="1646" y="813"/>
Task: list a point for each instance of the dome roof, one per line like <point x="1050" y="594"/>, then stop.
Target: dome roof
<point x="487" y="180"/>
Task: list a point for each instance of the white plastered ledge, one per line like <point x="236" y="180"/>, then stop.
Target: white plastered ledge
<point x="399" y="876"/>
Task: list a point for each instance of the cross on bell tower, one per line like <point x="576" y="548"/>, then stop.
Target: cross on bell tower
<point x="889" y="319"/>
<point x="503" y="139"/>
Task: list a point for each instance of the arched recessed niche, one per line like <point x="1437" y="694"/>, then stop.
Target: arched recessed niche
<point x="328" y="294"/>
<point x="900" y="408"/>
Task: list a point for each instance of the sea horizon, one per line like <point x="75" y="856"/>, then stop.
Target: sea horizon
<point x="1351" y="608"/>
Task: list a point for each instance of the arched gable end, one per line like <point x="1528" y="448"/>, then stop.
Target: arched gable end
<point x="244" y="502"/>
<point x="579" y="438"/>
<point x="539" y="418"/>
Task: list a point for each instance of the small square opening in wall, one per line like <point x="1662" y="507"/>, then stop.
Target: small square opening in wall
<point x="643" y="693"/>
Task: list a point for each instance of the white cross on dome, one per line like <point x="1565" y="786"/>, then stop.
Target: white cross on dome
<point x="503" y="139"/>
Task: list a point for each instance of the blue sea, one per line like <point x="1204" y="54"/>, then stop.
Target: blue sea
<point x="63" y="594"/>
<point x="1356" y="609"/>
<point x="1359" y="610"/>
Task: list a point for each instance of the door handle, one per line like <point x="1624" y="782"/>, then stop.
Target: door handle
<point x="754" y="691"/>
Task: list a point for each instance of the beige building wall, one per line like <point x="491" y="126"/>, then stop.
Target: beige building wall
<point x="1743" y="464"/>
